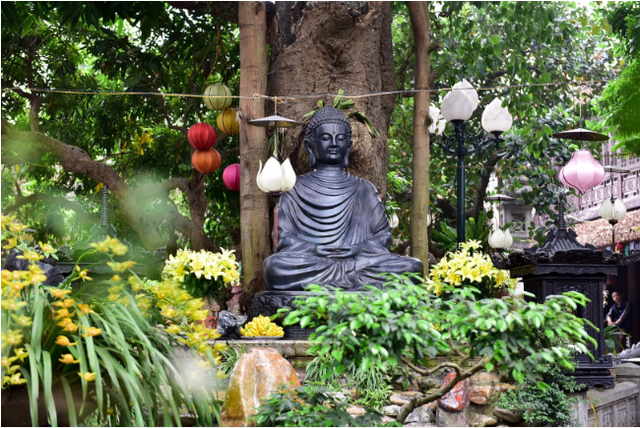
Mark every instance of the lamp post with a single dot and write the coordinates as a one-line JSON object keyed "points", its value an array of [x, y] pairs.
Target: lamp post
{"points": [[457, 107]]}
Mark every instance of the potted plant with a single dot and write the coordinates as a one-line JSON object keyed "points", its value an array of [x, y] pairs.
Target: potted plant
{"points": [[71, 350]]}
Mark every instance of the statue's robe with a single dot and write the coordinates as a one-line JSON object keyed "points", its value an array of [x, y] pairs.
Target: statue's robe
{"points": [[337, 211]]}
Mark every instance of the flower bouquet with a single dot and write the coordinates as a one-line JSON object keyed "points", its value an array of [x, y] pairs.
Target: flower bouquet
{"points": [[202, 273], [469, 267]]}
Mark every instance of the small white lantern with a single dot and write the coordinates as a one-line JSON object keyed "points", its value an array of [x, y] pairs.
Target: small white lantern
{"points": [[437, 122], [496, 118], [428, 218], [275, 177], [500, 239], [469, 91], [613, 210], [456, 106]]}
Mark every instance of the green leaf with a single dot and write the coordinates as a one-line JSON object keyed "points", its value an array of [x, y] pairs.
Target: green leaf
{"points": [[495, 39]]}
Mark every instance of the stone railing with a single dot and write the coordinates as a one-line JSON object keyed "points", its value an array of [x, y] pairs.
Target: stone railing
{"points": [[617, 407]]}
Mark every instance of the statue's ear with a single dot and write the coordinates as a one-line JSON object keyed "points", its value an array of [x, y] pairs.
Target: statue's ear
{"points": [[312, 156], [346, 156]]}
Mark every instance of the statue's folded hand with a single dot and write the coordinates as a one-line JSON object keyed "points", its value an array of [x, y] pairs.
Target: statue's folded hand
{"points": [[336, 252]]}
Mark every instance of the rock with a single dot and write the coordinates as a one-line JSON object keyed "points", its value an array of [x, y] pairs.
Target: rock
{"points": [[418, 424], [412, 394], [445, 418], [457, 399], [391, 410], [484, 378], [229, 324], [422, 415], [257, 373], [428, 383], [387, 419], [480, 394], [432, 405], [507, 415], [398, 399], [338, 396], [354, 410], [479, 420]]}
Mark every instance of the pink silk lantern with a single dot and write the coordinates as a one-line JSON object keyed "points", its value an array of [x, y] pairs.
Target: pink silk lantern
{"points": [[231, 177], [582, 172]]}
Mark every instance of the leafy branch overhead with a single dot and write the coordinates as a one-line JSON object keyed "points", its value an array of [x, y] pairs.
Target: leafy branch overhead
{"points": [[341, 104]]}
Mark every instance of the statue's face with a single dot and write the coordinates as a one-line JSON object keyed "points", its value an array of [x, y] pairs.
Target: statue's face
{"points": [[331, 144]]}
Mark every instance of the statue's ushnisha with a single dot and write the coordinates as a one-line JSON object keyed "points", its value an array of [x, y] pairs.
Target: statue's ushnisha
{"points": [[332, 227]]}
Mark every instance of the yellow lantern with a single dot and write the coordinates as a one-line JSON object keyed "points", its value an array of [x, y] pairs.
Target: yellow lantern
{"points": [[217, 97], [228, 121]]}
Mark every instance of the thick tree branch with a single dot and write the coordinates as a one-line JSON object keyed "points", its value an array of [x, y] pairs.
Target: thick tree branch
{"points": [[460, 376]]}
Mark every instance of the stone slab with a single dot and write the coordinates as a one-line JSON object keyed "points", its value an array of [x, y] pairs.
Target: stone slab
{"points": [[287, 348]]}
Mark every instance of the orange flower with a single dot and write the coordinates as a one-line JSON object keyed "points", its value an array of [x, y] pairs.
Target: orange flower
{"points": [[64, 341], [66, 303], [68, 359], [84, 307], [57, 293], [91, 331], [63, 313], [88, 376], [68, 325]]}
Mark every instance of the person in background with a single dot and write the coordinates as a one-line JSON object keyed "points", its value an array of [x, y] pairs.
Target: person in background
{"points": [[619, 314]]}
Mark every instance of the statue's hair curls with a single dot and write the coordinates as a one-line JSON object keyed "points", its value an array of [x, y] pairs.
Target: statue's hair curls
{"points": [[322, 117]]}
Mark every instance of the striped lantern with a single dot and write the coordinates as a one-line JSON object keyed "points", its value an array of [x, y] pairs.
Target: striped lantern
{"points": [[202, 136], [228, 121], [217, 97], [206, 161], [231, 177]]}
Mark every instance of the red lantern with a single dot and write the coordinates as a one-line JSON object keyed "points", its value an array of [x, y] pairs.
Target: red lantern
{"points": [[206, 161], [202, 136], [231, 177]]}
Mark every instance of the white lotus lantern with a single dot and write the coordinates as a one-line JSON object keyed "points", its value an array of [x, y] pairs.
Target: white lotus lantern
{"points": [[496, 118], [276, 178], [500, 239], [394, 221], [456, 105], [469, 91], [437, 122], [613, 210]]}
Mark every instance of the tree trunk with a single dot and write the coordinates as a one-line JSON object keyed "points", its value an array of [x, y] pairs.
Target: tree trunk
{"points": [[254, 207], [419, 12], [321, 47]]}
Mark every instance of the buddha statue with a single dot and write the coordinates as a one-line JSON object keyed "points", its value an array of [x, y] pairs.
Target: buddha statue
{"points": [[332, 227]]}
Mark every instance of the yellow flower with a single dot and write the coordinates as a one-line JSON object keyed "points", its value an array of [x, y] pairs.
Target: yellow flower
{"points": [[102, 246], [12, 305], [83, 274], [88, 376], [68, 359], [121, 267], [85, 309], [64, 341], [6, 362], [68, 325], [57, 293], [31, 256], [46, 248], [21, 353], [173, 329], [91, 331], [12, 338], [11, 243], [66, 303], [16, 379], [115, 278], [63, 313], [24, 321]]}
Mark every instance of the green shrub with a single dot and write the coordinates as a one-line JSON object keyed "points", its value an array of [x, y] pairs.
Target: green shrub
{"points": [[543, 405], [310, 406]]}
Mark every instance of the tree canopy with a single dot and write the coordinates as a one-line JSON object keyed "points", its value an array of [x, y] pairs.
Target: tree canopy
{"points": [[114, 122]]}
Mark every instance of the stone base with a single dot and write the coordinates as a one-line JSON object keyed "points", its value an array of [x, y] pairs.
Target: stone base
{"points": [[289, 349]]}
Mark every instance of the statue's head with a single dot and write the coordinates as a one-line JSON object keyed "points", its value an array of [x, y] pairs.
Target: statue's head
{"points": [[328, 138]]}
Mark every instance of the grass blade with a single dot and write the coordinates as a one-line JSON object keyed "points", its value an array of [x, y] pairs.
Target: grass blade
{"points": [[71, 407], [47, 388]]}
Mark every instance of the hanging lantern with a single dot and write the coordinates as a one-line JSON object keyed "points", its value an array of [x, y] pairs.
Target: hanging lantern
{"points": [[206, 161], [613, 210], [217, 97], [231, 177], [202, 136], [275, 177], [228, 121], [500, 239], [582, 172]]}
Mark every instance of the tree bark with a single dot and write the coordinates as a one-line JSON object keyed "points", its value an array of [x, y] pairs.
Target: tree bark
{"points": [[419, 12], [321, 47], [254, 206]]}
